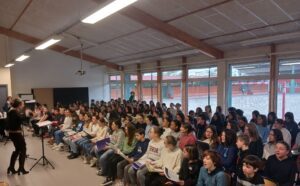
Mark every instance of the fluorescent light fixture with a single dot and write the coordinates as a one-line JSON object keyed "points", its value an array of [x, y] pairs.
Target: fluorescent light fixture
{"points": [[49, 42], [270, 39], [9, 65], [22, 58], [107, 10], [295, 63]]}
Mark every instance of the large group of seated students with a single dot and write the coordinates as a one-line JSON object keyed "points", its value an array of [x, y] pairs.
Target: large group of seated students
{"points": [[139, 143]]}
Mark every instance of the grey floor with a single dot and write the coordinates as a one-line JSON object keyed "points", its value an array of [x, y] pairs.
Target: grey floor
{"points": [[66, 172]]}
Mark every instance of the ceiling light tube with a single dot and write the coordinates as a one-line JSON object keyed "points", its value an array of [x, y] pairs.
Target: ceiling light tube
{"points": [[22, 58], [48, 43], [9, 65], [107, 10]]}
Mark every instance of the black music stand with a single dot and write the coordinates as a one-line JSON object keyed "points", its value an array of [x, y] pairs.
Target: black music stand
{"points": [[43, 157]]}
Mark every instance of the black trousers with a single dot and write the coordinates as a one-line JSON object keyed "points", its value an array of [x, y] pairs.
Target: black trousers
{"points": [[112, 168], [20, 150], [154, 179]]}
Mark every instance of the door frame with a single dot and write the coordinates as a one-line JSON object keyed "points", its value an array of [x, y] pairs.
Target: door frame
{"points": [[6, 86]]}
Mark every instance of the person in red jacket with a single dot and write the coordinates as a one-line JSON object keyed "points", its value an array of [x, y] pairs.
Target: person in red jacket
{"points": [[187, 136]]}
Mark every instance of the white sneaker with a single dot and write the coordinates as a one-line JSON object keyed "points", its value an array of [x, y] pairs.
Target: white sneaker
{"points": [[54, 146], [84, 160], [93, 162], [59, 148]]}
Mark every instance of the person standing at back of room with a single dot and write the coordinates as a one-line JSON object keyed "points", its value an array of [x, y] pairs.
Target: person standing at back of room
{"points": [[132, 96]]}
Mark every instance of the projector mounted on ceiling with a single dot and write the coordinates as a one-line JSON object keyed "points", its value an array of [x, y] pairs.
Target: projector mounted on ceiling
{"points": [[81, 72]]}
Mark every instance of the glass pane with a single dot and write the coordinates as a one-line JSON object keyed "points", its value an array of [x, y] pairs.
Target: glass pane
{"points": [[171, 92], [149, 76], [133, 77], [258, 69], [249, 96], [115, 78], [149, 91], [129, 86], [289, 66], [202, 93], [203, 72], [115, 90], [288, 95], [169, 75]]}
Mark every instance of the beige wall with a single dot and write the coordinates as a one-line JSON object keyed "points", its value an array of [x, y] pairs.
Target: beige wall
{"points": [[5, 79]]}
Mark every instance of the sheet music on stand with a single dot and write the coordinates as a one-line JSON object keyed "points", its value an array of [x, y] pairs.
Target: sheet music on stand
{"points": [[44, 123]]}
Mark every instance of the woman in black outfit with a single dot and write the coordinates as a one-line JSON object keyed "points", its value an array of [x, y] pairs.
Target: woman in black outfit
{"points": [[14, 122]]}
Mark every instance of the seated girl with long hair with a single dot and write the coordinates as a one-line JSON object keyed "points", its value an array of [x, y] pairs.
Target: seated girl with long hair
{"points": [[116, 141], [227, 150], [128, 146], [171, 157], [153, 153], [210, 137], [190, 167], [87, 147]]}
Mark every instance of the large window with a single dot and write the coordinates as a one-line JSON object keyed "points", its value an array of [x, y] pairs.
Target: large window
{"points": [[171, 87], [149, 86], [130, 85], [249, 87], [115, 86], [202, 87], [288, 89]]}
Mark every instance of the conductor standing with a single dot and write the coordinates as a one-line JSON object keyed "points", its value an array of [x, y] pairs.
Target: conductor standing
{"points": [[14, 122]]}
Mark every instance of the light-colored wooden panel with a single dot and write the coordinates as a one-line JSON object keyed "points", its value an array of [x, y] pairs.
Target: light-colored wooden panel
{"points": [[44, 96]]}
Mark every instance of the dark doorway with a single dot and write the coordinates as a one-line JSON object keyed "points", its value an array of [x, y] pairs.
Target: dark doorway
{"points": [[3, 96]]}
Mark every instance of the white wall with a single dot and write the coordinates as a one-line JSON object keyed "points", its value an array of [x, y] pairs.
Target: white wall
{"points": [[48, 69]]}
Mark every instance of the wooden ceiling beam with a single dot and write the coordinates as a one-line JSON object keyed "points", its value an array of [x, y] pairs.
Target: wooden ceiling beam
{"points": [[170, 30], [57, 48]]}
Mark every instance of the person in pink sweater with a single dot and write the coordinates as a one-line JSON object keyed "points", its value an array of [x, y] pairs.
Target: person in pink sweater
{"points": [[187, 136]]}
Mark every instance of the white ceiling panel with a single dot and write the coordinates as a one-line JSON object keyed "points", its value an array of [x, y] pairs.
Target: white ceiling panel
{"points": [[267, 11], [71, 42], [263, 32], [291, 7], [254, 25], [290, 27], [156, 53], [139, 42], [168, 9], [228, 39], [237, 13], [109, 28], [47, 17], [222, 22], [10, 10], [196, 26]]}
